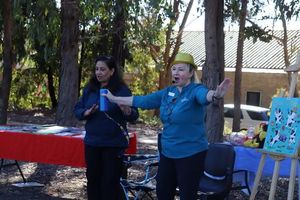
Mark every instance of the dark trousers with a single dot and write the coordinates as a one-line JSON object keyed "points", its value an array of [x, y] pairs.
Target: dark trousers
{"points": [[184, 173], [104, 168]]}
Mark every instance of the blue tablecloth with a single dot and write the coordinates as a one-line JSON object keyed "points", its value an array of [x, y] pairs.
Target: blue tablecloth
{"points": [[248, 159]]}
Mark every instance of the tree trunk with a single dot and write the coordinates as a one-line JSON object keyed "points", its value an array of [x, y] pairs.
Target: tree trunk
{"points": [[7, 61], [68, 85], [82, 56], [285, 46], [51, 88], [213, 70], [119, 33], [238, 68]]}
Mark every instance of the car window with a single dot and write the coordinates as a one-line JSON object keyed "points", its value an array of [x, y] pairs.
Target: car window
{"points": [[261, 116], [228, 112]]}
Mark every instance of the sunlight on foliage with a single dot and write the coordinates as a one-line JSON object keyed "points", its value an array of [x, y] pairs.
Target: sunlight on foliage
{"points": [[145, 78], [29, 90], [148, 117]]}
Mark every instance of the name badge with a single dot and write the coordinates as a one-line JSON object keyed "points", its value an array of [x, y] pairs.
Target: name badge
{"points": [[171, 94]]}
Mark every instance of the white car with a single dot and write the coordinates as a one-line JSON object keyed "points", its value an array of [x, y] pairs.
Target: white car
{"points": [[251, 116]]}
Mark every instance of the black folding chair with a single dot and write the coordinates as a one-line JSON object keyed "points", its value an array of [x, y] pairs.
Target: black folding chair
{"points": [[246, 184], [216, 181]]}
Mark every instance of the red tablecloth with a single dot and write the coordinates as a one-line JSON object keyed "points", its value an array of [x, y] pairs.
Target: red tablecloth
{"points": [[49, 149]]}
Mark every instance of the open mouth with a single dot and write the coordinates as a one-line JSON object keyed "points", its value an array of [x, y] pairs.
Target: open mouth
{"points": [[175, 80]]}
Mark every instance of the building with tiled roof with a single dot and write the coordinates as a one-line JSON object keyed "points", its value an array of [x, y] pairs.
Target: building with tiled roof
{"points": [[263, 63]]}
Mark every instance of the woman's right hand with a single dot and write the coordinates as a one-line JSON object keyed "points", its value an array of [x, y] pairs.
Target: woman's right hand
{"points": [[91, 110]]}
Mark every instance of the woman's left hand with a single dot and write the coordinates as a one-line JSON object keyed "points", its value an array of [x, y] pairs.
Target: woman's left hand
{"points": [[222, 88], [125, 109]]}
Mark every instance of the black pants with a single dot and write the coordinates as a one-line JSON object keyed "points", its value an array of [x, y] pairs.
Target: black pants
{"points": [[184, 173], [104, 168]]}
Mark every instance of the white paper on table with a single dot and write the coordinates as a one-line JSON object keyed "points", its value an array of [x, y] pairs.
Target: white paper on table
{"points": [[28, 184], [79, 136], [52, 129], [65, 134]]}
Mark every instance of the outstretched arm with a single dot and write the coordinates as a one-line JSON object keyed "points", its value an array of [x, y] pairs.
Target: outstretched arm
{"points": [[127, 101], [220, 90]]}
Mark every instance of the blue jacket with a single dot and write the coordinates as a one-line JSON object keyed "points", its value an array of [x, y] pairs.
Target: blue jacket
{"points": [[182, 115], [100, 130]]}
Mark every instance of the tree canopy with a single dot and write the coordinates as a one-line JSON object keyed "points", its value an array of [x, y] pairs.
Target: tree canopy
{"points": [[49, 48]]}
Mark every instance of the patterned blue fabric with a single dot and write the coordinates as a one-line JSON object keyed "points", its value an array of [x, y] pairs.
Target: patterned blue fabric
{"points": [[182, 115]]}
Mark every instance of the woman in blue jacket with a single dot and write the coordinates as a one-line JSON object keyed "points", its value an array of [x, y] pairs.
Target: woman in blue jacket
{"points": [[183, 140], [106, 134]]}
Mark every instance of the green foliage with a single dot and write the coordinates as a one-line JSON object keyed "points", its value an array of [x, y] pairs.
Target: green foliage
{"points": [[29, 90], [147, 19], [37, 30], [149, 118], [145, 79], [287, 9], [44, 35], [233, 9], [256, 33]]}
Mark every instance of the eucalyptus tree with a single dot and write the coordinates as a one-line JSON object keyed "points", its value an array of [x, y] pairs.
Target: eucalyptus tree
{"points": [[115, 27], [7, 60], [238, 66], [237, 12], [285, 11], [103, 31], [213, 69], [43, 37], [68, 83], [93, 41], [173, 43], [35, 55], [119, 32], [18, 35], [154, 23]]}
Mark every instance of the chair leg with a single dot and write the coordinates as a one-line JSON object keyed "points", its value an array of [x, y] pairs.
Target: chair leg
{"points": [[125, 193], [246, 182]]}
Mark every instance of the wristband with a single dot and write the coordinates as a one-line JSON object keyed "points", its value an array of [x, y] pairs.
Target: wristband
{"points": [[216, 98]]}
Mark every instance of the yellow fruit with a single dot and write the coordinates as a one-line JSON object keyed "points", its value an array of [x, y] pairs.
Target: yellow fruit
{"points": [[262, 135], [251, 143]]}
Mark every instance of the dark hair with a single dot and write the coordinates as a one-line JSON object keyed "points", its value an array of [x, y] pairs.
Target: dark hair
{"points": [[115, 81]]}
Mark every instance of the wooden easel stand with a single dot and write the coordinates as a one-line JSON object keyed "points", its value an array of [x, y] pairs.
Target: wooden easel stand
{"points": [[278, 157]]}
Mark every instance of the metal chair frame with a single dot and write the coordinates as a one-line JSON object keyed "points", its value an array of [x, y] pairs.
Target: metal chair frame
{"points": [[140, 189]]}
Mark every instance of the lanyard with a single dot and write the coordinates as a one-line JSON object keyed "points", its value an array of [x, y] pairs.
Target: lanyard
{"points": [[124, 132]]}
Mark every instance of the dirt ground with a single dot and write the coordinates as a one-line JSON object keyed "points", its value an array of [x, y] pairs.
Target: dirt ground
{"points": [[61, 182]]}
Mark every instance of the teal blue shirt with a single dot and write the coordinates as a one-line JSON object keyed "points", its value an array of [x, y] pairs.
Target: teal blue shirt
{"points": [[182, 115]]}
